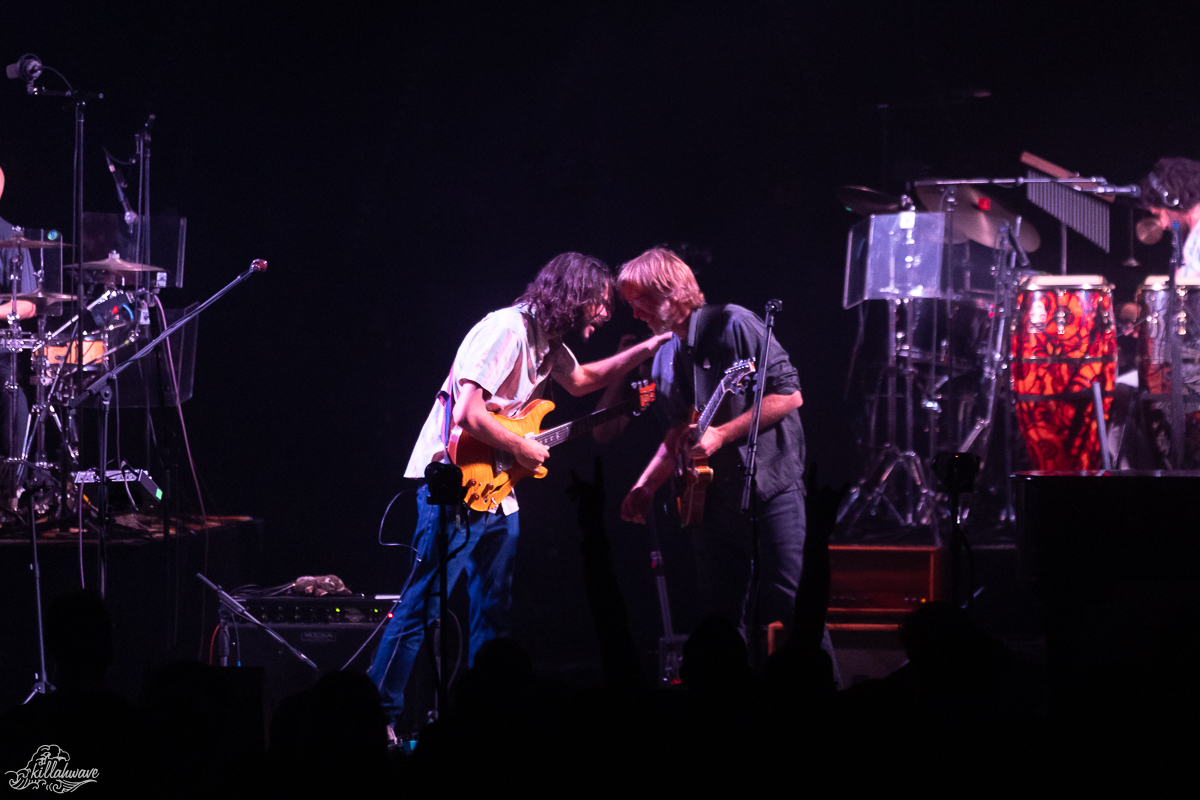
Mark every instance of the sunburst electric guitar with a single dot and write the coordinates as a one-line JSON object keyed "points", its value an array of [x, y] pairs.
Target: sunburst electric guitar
{"points": [[695, 471], [490, 474]]}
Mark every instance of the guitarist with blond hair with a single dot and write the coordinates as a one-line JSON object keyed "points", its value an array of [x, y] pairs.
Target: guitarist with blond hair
{"points": [[690, 371], [502, 364]]}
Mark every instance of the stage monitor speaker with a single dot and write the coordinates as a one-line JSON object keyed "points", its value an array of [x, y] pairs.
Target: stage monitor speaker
{"points": [[329, 630]]}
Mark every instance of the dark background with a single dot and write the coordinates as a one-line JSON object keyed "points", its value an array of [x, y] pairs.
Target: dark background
{"points": [[406, 168]]}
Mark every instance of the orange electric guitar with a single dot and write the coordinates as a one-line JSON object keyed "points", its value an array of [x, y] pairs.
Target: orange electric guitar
{"points": [[695, 471], [490, 474]]}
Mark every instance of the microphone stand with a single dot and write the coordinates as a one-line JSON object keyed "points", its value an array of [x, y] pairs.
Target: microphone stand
{"points": [[102, 388], [447, 492], [236, 609], [80, 101], [1090, 185], [749, 484], [42, 684], [1176, 323]]}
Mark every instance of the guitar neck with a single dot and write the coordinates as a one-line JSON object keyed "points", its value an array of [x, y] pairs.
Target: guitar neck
{"points": [[570, 430], [710, 411]]}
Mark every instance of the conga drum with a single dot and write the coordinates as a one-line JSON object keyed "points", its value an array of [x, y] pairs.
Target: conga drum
{"points": [[1154, 351], [1154, 361], [1063, 341]]}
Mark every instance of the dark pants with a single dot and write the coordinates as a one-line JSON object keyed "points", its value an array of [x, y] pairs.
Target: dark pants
{"points": [[487, 559], [724, 556]]}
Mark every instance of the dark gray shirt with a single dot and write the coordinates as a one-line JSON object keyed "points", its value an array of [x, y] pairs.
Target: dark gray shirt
{"points": [[718, 336]]}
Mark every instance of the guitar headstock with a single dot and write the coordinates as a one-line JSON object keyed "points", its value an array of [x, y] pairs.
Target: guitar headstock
{"points": [[645, 394], [736, 378]]}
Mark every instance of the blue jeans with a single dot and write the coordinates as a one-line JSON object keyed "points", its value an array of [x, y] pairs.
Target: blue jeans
{"points": [[724, 557], [488, 561]]}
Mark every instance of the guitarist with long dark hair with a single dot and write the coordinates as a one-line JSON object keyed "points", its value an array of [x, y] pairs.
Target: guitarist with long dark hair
{"points": [[502, 364], [692, 371]]}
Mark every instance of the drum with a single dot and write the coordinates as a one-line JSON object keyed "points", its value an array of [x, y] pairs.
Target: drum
{"points": [[1063, 341], [94, 350], [1154, 352]]}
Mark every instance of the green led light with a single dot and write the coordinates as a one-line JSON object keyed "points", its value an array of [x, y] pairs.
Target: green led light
{"points": [[158, 494]]}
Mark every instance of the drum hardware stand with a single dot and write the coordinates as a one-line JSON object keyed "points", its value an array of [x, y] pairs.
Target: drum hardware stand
{"points": [[1101, 431], [871, 491], [997, 368], [1062, 266]]}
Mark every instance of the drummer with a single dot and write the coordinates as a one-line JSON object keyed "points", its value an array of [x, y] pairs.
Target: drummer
{"points": [[25, 309], [1171, 192], [27, 282]]}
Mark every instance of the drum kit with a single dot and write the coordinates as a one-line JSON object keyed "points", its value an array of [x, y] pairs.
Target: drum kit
{"points": [[63, 354], [976, 341]]}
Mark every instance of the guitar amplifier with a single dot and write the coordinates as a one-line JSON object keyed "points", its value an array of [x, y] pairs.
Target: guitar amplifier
{"points": [[330, 630], [874, 587]]}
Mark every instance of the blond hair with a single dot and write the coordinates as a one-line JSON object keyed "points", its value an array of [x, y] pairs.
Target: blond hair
{"points": [[663, 274]]}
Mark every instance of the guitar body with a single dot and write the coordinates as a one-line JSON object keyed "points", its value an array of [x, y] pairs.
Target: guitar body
{"points": [[490, 474], [697, 475]]}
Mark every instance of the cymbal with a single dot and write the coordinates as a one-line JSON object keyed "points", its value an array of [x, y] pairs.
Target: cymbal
{"points": [[862, 200], [117, 264], [29, 244], [978, 216], [1149, 230], [41, 299]]}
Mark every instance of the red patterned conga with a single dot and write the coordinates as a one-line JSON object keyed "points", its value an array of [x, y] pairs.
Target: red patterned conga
{"points": [[1063, 341]]}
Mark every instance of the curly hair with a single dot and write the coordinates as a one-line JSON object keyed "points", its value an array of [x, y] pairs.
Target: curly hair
{"points": [[1173, 183], [558, 298]]}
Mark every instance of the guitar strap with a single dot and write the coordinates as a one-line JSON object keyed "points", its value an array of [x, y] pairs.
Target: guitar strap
{"points": [[702, 378], [447, 401]]}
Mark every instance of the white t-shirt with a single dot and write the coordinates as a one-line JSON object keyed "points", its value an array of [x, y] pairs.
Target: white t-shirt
{"points": [[1191, 254], [509, 356]]}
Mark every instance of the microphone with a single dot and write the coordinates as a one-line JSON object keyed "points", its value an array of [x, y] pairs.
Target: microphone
{"points": [[28, 68], [130, 215], [1169, 199], [1132, 190]]}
